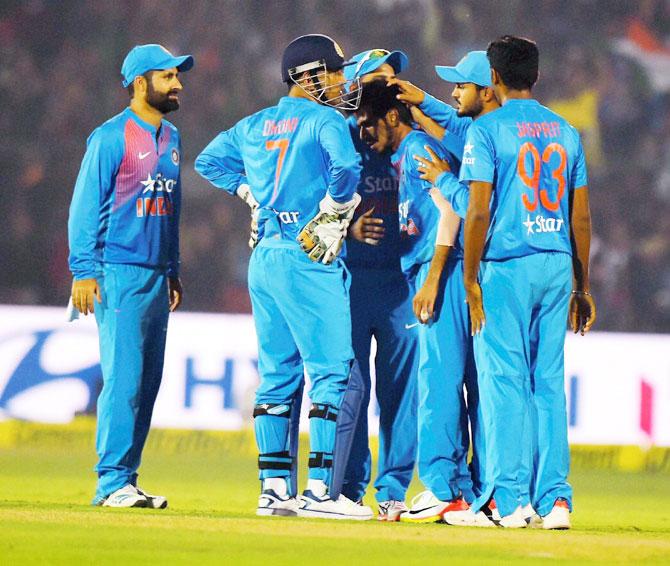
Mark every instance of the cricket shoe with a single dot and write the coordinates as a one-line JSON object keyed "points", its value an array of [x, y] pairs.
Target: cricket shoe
{"points": [[391, 510], [426, 508], [127, 496], [514, 520], [153, 501], [559, 517], [318, 505], [272, 504]]}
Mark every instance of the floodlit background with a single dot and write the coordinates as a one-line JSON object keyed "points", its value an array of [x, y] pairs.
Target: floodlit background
{"points": [[605, 66]]}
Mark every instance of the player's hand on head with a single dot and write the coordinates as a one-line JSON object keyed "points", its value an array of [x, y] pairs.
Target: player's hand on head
{"points": [[368, 229], [409, 93], [582, 312], [423, 303], [83, 293], [432, 168], [175, 292], [473, 294]]}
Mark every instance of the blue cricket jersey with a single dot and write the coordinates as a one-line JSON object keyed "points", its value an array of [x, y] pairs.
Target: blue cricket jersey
{"points": [[126, 202], [290, 154], [378, 187], [418, 214], [533, 158]]}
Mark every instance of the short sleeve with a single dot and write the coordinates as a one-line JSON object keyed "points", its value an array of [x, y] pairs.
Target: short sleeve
{"points": [[478, 156], [579, 175]]}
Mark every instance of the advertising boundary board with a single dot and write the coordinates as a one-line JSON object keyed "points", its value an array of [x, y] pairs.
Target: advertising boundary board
{"points": [[617, 385]]}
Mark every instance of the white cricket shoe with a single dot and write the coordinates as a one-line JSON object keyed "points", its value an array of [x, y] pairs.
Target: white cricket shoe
{"points": [[127, 496], [478, 519], [426, 508], [391, 510], [153, 501], [316, 503], [272, 504], [559, 517], [514, 520]]}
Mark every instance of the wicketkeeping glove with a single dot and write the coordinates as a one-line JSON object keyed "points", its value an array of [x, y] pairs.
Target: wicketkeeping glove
{"points": [[322, 237], [244, 192]]}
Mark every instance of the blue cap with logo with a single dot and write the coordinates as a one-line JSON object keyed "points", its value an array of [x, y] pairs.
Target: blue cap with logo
{"points": [[305, 51], [473, 68], [151, 57], [370, 60]]}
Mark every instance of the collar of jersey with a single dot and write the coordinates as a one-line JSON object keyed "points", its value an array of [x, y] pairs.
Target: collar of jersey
{"points": [[141, 122], [521, 101], [298, 99], [398, 153]]}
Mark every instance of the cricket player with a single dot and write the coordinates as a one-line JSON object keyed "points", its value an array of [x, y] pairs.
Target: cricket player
{"points": [[381, 307], [527, 236], [386, 125], [124, 256], [296, 164]]}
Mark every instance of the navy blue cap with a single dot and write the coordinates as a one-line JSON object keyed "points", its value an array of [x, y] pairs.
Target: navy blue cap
{"points": [[370, 60], [151, 57], [473, 68], [308, 49]]}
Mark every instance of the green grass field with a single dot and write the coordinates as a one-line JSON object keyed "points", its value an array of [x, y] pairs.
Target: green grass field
{"points": [[46, 483]]}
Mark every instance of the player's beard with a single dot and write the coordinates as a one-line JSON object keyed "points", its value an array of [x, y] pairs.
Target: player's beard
{"points": [[474, 110], [161, 101]]}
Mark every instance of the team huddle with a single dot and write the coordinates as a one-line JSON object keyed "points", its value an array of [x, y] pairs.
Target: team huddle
{"points": [[457, 237]]}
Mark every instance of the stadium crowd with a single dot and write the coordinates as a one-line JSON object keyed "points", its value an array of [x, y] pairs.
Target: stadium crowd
{"points": [[601, 67]]}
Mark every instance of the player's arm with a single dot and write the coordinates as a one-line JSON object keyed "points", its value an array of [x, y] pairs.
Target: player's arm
{"points": [[222, 165], [447, 232], [344, 163], [103, 156], [444, 114], [582, 306], [175, 290], [323, 236], [477, 222], [221, 162], [478, 173], [427, 124]]}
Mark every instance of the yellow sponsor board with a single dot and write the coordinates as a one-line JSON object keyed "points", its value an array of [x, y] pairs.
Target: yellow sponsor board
{"points": [[80, 434]]}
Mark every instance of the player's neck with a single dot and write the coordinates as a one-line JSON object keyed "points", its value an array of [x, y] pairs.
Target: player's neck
{"points": [[486, 109], [146, 112], [513, 94], [400, 134]]}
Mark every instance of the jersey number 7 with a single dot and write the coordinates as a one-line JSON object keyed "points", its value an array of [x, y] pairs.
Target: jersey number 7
{"points": [[532, 180], [282, 146]]}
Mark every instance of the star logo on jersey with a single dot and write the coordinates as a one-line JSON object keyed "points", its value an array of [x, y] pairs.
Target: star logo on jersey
{"points": [[149, 184], [529, 224], [467, 148]]}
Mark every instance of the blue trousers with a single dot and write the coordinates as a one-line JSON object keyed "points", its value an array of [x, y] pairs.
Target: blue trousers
{"points": [[303, 324], [519, 357], [446, 363], [132, 326], [381, 306]]}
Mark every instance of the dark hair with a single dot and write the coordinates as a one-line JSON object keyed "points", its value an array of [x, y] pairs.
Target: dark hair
{"points": [[516, 60], [131, 86], [378, 99]]}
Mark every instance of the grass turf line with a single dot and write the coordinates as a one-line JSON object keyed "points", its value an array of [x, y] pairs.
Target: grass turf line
{"points": [[45, 518]]}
